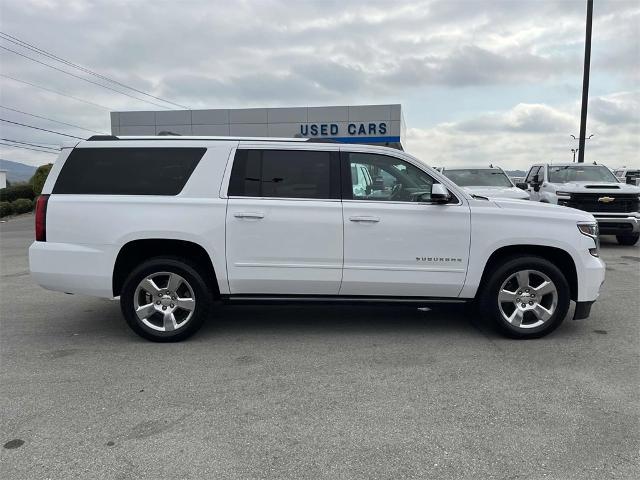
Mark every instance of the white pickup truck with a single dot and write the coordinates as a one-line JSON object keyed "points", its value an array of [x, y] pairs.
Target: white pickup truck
{"points": [[175, 225], [592, 188]]}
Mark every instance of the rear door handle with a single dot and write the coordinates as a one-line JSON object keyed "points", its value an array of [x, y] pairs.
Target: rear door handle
{"points": [[365, 219], [256, 215]]}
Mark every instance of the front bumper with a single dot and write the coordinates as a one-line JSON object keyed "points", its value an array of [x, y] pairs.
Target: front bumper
{"points": [[618, 223]]}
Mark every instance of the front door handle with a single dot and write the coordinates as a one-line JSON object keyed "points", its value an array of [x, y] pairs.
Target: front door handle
{"points": [[365, 219], [256, 215]]}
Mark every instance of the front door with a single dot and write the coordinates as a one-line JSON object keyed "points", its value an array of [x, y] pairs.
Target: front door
{"points": [[284, 223], [397, 243], [534, 194]]}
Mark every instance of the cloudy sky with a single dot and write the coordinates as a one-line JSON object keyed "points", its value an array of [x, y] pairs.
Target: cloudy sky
{"points": [[479, 81]]}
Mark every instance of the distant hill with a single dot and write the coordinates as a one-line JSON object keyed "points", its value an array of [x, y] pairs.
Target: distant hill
{"points": [[516, 173], [17, 172]]}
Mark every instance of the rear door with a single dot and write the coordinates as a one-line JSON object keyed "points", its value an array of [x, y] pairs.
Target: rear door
{"points": [[397, 243], [284, 222]]}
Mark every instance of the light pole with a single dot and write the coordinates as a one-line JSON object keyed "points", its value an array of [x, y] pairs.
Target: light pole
{"points": [[577, 150], [585, 81]]}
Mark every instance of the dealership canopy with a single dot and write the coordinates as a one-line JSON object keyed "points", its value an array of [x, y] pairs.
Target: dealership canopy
{"points": [[370, 124]]}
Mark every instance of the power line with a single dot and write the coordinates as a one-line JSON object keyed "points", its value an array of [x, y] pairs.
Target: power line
{"points": [[38, 128], [28, 148], [54, 91], [52, 120], [82, 78], [27, 143], [29, 46]]}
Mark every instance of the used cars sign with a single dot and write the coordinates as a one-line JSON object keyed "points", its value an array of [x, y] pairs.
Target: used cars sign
{"points": [[333, 129]]}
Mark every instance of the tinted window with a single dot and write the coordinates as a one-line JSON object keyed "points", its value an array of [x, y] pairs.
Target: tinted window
{"points": [[384, 178], [128, 171], [283, 174]]}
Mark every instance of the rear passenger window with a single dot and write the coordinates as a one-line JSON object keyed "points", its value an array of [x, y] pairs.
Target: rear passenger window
{"points": [[284, 174], [128, 171]]}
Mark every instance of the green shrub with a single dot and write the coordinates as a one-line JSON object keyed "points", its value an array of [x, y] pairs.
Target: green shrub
{"points": [[14, 192], [22, 205], [39, 177], [5, 209]]}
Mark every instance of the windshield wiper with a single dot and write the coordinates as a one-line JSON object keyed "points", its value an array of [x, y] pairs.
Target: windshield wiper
{"points": [[478, 197]]}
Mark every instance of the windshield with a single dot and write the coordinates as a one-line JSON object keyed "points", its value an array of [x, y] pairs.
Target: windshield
{"points": [[478, 177], [581, 173]]}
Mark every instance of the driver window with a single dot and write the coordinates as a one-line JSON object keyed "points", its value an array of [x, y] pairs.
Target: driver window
{"points": [[532, 174], [384, 178]]}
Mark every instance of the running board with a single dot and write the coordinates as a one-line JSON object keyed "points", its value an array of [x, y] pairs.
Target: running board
{"points": [[342, 299]]}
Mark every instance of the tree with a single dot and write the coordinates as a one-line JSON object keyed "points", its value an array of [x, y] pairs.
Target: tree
{"points": [[39, 177]]}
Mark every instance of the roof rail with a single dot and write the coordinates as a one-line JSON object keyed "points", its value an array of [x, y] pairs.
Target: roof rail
{"points": [[102, 138], [165, 135], [209, 138], [322, 140]]}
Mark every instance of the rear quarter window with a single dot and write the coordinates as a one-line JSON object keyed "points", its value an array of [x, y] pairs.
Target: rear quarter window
{"points": [[128, 171]]}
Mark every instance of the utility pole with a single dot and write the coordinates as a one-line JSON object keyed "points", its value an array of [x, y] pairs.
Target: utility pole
{"points": [[585, 81]]}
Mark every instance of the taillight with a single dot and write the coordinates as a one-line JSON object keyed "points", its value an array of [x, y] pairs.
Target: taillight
{"points": [[41, 218]]}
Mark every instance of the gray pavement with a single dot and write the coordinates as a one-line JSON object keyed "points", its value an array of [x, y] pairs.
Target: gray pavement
{"points": [[314, 392]]}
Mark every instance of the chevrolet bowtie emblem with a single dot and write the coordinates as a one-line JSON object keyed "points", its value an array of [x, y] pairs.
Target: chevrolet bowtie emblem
{"points": [[606, 199]]}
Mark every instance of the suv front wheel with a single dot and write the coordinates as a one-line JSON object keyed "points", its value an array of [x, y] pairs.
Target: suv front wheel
{"points": [[526, 297], [165, 299]]}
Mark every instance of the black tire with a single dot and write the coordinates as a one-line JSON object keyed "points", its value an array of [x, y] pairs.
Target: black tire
{"points": [[629, 239], [489, 296], [203, 298]]}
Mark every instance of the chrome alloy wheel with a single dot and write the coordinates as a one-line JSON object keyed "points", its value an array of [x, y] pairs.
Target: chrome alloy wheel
{"points": [[527, 299], [164, 301]]}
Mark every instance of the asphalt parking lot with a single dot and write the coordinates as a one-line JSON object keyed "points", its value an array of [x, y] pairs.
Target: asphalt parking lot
{"points": [[314, 392]]}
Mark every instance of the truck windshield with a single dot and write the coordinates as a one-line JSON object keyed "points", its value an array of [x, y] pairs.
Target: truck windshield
{"points": [[478, 177], [580, 173]]}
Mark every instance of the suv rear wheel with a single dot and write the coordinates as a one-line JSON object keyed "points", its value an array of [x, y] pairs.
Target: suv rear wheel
{"points": [[165, 299], [628, 239], [526, 297]]}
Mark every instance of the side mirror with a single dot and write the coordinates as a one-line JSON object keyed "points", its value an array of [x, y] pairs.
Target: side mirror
{"points": [[522, 185], [535, 183], [439, 193]]}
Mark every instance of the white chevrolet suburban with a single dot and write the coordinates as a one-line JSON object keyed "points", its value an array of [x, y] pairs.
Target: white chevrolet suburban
{"points": [[175, 225], [592, 188]]}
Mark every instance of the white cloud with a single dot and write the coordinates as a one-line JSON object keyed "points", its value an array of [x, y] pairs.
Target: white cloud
{"points": [[525, 134], [277, 53]]}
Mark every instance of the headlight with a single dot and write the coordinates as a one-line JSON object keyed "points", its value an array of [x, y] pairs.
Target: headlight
{"points": [[563, 194], [591, 230]]}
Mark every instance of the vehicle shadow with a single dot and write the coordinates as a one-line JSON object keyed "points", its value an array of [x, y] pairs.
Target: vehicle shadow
{"points": [[349, 319], [440, 321]]}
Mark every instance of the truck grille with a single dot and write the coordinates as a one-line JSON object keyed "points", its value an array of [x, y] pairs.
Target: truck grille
{"points": [[622, 203]]}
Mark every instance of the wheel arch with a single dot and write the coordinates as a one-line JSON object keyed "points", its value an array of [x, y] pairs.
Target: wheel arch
{"points": [[561, 258], [135, 252]]}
